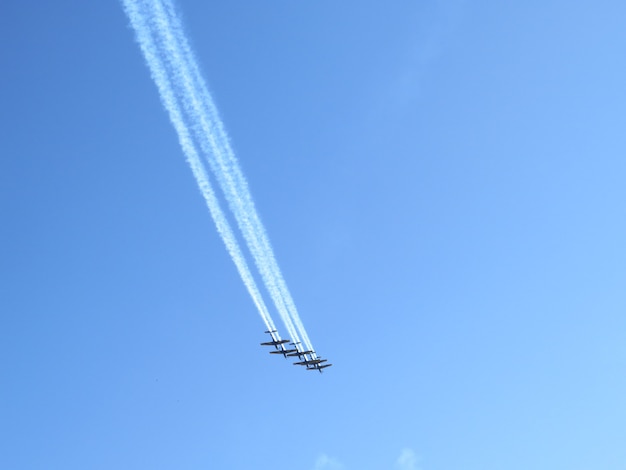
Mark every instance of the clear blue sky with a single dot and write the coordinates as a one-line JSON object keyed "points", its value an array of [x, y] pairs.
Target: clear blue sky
{"points": [[444, 187]]}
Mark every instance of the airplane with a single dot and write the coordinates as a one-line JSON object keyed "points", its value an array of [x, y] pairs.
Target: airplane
{"points": [[310, 362], [276, 342], [300, 354], [288, 352], [284, 351], [297, 352], [318, 367]]}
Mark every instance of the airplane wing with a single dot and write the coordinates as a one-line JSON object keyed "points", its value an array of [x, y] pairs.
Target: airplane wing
{"points": [[275, 343], [311, 362], [300, 353], [283, 351]]}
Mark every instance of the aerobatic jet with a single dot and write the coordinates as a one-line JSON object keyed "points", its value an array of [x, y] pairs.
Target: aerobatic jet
{"points": [[310, 362], [284, 351], [300, 354], [276, 341], [318, 367]]}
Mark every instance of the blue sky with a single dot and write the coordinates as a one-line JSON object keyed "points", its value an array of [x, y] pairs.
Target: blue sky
{"points": [[443, 185]]}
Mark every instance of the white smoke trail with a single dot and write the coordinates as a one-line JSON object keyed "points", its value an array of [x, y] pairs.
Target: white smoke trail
{"points": [[158, 70], [210, 133], [205, 132]]}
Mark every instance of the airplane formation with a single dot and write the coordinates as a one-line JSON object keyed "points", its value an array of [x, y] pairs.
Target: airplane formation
{"points": [[308, 359]]}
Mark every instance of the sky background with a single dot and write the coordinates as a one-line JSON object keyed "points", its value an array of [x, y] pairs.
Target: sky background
{"points": [[443, 185]]}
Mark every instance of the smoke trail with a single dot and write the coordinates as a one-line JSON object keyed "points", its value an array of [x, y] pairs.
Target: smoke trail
{"points": [[206, 133], [158, 70], [209, 131]]}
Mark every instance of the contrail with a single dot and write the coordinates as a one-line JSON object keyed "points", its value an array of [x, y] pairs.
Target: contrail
{"points": [[205, 127], [195, 118], [164, 83], [209, 132]]}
